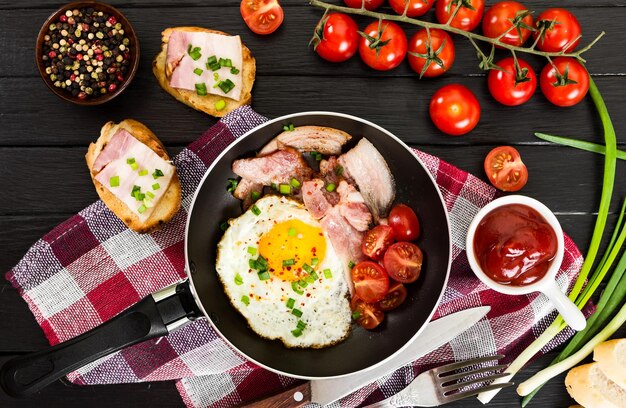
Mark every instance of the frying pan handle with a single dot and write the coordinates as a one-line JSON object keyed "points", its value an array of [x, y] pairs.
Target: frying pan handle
{"points": [[154, 316]]}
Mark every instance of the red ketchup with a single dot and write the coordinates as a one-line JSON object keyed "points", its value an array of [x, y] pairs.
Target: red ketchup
{"points": [[514, 245]]}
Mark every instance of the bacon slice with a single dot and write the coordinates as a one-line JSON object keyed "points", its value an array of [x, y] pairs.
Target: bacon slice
{"points": [[244, 191], [320, 139], [366, 166], [352, 207], [278, 167], [345, 238]]}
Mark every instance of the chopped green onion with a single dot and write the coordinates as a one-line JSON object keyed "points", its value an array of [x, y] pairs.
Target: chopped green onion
{"points": [[226, 86], [296, 312], [198, 71], [339, 170], [314, 276], [150, 194], [156, 186], [252, 264], [157, 173], [265, 275], [295, 183], [252, 251], [256, 210], [262, 262], [301, 325], [255, 195], [226, 62], [330, 187], [201, 89], [302, 283], [134, 166], [194, 53], [314, 261], [328, 274], [130, 160], [238, 280], [245, 300], [232, 185], [289, 262], [310, 279], [216, 76], [224, 226], [291, 303], [142, 209], [307, 268], [274, 186], [288, 128], [316, 155], [350, 264], [143, 172], [147, 201], [114, 181], [296, 333], [284, 189], [234, 71], [214, 67], [136, 189], [292, 232], [294, 286], [211, 60], [219, 105], [355, 315], [139, 196]]}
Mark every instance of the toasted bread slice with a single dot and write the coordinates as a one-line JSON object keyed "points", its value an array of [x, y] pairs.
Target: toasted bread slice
{"points": [[592, 389], [611, 358], [167, 206], [205, 103]]}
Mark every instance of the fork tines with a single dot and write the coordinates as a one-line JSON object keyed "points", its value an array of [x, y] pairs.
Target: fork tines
{"points": [[450, 383]]}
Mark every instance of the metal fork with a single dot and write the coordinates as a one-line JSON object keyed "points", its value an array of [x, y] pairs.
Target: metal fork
{"points": [[441, 385]]}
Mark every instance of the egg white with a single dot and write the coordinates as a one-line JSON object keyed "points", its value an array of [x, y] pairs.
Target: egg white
{"points": [[324, 304]]}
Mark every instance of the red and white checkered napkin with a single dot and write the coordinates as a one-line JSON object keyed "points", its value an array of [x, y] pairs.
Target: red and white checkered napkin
{"points": [[91, 267]]}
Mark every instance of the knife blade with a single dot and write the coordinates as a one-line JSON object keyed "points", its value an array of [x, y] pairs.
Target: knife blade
{"points": [[326, 391]]}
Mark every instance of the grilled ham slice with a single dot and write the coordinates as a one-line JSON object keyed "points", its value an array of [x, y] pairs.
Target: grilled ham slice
{"points": [[309, 139]]}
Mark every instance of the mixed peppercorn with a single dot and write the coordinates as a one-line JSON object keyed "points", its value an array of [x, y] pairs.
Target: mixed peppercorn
{"points": [[86, 52]]}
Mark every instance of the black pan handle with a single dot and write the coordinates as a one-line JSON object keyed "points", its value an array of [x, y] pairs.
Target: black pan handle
{"points": [[154, 316]]}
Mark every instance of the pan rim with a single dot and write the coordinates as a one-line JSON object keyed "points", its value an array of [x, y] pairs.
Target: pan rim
{"points": [[246, 135]]}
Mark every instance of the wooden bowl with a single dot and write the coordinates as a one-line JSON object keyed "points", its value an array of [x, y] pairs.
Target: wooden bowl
{"points": [[129, 32]]}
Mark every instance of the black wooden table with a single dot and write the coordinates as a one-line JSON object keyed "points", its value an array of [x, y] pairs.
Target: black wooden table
{"points": [[44, 179]]}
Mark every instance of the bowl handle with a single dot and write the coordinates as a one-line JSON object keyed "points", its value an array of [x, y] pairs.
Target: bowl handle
{"points": [[570, 312]]}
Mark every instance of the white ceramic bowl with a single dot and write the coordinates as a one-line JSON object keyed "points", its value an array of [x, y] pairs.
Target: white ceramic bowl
{"points": [[547, 284]]}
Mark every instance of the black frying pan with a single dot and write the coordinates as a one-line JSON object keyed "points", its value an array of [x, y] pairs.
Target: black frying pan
{"points": [[202, 295]]}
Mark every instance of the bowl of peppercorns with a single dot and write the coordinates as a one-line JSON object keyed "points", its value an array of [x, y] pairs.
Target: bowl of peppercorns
{"points": [[87, 52]]}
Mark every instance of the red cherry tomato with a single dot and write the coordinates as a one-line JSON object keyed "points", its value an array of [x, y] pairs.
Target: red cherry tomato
{"points": [[394, 298], [505, 169], [499, 19], [404, 222], [569, 86], [467, 18], [504, 86], [416, 7], [440, 49], [339, 38], [560, 29], [376, 241], [369, 4], [454, 110], [367, 315], [388, 48], [403, 262], [371, 282], [262, 16]]}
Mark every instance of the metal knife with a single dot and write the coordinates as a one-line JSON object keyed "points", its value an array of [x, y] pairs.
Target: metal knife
{"points": [[324, 392]]}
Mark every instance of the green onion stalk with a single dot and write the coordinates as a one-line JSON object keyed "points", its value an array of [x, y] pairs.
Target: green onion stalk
{"points": [[607, 191]]}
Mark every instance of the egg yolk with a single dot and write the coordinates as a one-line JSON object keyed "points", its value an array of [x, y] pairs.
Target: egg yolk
{"points": [[291, 244]]}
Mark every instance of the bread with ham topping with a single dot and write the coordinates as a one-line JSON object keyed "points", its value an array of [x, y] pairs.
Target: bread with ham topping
{"points": [[204, 103], [169, 201]]}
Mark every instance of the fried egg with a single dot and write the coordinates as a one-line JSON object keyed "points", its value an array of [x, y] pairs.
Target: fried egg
{"points": [[282, 274]]}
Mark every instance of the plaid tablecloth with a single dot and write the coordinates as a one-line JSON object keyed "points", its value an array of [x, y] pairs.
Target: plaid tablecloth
{"points": [[91, 267]]}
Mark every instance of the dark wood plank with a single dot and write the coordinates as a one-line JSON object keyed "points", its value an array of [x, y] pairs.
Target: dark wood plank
{"points": [[398, 104], [286, 52]]}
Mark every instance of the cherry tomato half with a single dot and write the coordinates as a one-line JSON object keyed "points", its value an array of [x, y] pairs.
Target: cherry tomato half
{"points": [[454, 110], [404, 222], [499, 19], [376, 241], [369, 4], [394, 298], [367, 315], [388, 48], [504, 85], [560, 29], [467, 18], [415, 8], [339, 38], [262, 16], [435, 57], [371, 282], [505, 169], [569, 86], [403, 262]]}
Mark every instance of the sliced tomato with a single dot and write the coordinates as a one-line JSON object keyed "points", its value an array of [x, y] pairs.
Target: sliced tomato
{"points": [[403, 262], [404, 222], [371, 282], [262, 16], [367, 315], [376, 241], [505, 169], [394, 298]]}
